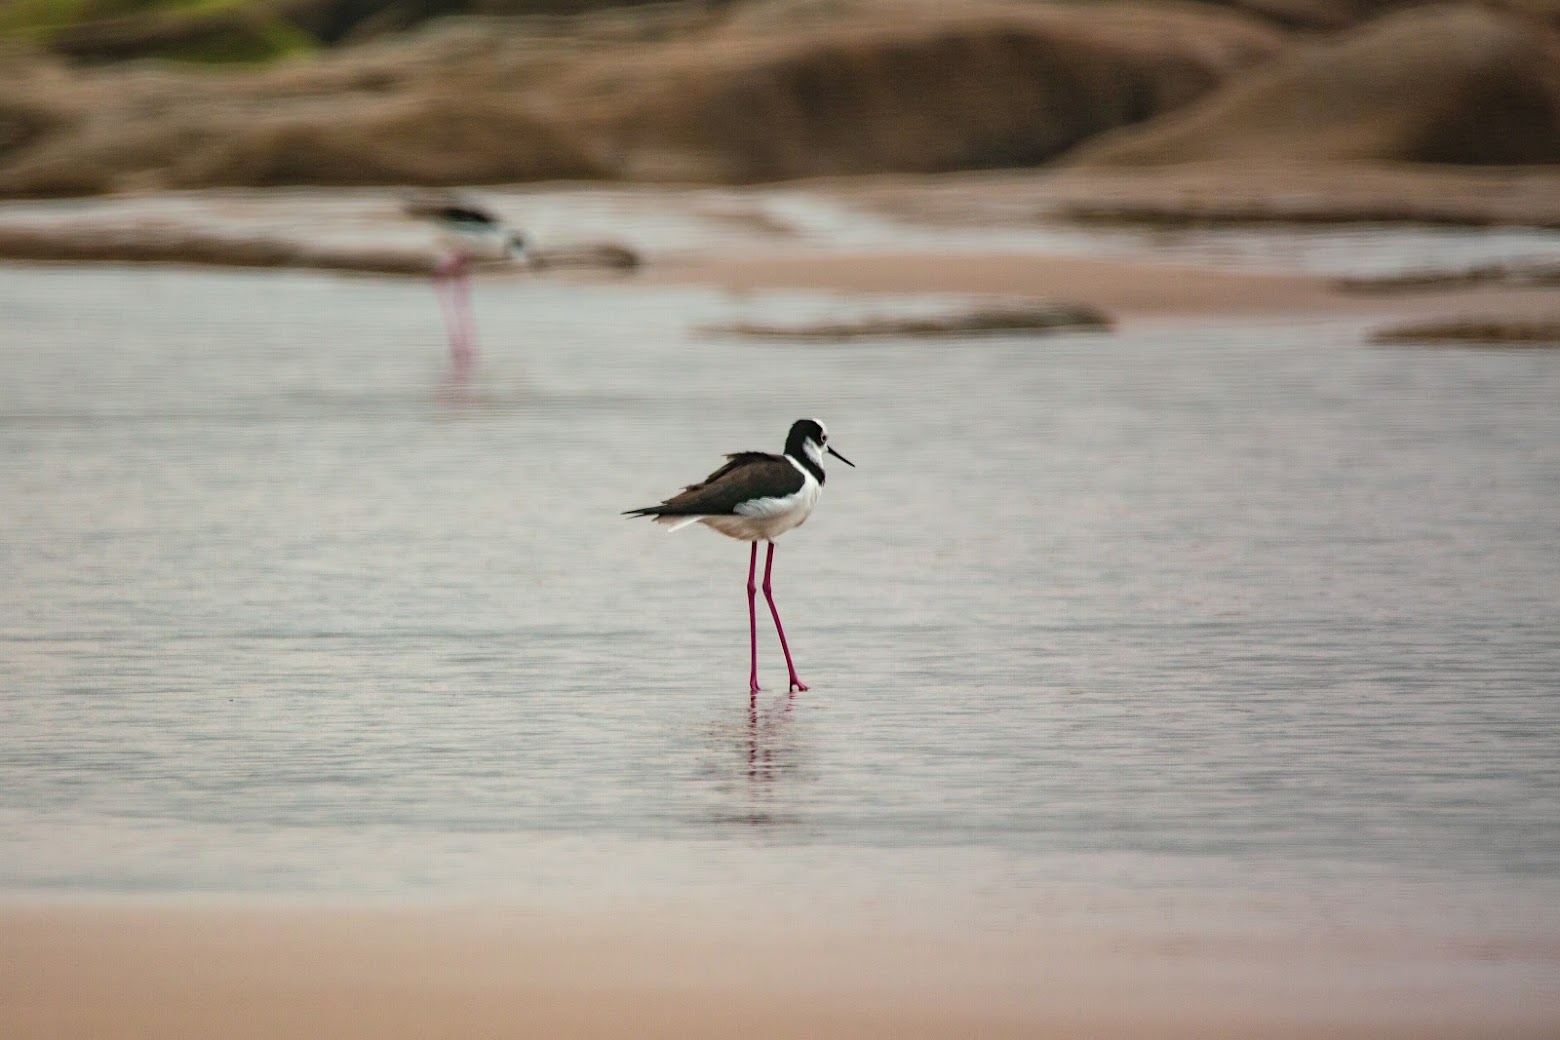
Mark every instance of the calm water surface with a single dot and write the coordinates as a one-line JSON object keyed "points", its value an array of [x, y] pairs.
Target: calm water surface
{"points": [[1204, 611]]}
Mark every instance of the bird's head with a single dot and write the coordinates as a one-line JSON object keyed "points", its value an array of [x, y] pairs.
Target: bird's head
{"points": [[810, 438], [517, 248]]}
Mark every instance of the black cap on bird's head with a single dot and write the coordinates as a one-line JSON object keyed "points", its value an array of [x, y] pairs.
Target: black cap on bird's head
{"points": [[809, 439]]}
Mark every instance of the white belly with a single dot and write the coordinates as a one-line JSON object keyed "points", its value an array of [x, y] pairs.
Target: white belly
{"points": [[476, 243], [766, 519]]}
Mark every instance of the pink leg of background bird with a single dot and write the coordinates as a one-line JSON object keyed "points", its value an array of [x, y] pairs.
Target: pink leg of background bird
{"points": [[769, 563], [449, 282], [752, 590]]}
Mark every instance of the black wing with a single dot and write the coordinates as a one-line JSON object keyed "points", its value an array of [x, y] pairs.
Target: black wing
{"points": [[467, 215], [450, 211], [745, 476]]}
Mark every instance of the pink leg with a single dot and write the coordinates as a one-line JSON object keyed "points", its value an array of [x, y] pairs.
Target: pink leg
{"points": [[449, 281], [769, 563], [752, 590]]}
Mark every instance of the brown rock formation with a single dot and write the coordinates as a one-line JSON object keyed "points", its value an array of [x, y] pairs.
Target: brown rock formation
{"points": [[773, 91], [1460, 84]]}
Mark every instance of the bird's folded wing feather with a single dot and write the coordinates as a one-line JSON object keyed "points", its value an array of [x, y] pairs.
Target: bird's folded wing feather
{"points": [[746, 476], [448, 208]]}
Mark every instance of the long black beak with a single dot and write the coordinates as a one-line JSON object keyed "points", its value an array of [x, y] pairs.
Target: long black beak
{"points": [[842, 458]]}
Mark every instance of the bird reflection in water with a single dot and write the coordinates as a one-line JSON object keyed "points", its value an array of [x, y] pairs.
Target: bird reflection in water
{"points": [[771, 765], [766, 733]]}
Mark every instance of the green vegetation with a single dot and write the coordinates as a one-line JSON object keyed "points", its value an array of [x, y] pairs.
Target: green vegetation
{"points": [[40, 19], [179, 30]]}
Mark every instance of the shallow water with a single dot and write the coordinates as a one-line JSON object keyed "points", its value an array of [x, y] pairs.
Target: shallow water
{"points": [[658, 221], [1221, 614]]}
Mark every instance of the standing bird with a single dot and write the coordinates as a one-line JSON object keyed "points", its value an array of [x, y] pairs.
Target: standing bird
{"points": [[468, 234], [757, 497]]}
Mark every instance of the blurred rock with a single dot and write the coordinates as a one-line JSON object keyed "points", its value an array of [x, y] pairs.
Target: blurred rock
{"points": [[1494, 332], [609, 256], [975, 319], [773, 90], [1338, 15], [1518, 273], [174, 244], [247, 30], [886, 90], [776, 89], [1461, 84]]}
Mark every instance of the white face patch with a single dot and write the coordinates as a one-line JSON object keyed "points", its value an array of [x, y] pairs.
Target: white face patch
{"points": [[814, 452]]}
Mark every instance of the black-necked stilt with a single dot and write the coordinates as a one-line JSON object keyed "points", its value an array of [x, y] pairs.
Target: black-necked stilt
{"points": [[468, 234], [757, 497]]}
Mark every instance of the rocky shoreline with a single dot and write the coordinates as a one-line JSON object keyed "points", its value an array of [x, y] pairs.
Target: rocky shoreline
{"points": [[773, 90]]}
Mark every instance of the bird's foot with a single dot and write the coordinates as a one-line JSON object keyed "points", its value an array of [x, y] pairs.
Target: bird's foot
{"points": [[797, 685]]}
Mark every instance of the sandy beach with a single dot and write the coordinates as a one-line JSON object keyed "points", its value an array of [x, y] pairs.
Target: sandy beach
{"points": [[172, 970]]}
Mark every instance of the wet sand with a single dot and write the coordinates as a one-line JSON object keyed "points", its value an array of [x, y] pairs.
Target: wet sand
{"points": [[170, 970], [1125, 289]]}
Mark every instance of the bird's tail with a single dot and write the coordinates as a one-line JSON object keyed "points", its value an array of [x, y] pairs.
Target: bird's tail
{"points": [[672, 522]]}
